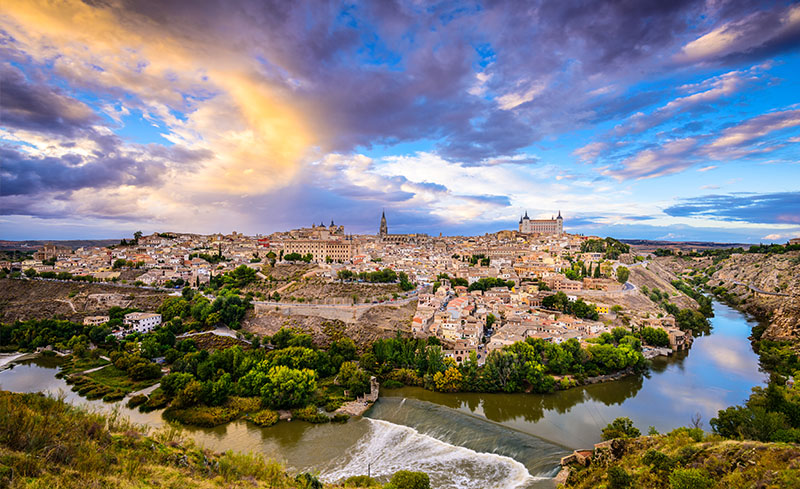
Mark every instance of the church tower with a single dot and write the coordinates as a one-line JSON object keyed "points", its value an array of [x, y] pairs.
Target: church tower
{"points": [[384, 230]]}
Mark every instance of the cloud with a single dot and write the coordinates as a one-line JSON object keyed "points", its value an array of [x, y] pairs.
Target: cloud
{"points": [[590, 152], [732, 141], [773, 208], [38, 107], [757, 34], [672, 157], [744, 139]]}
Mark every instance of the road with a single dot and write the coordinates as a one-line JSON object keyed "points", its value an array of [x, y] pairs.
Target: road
{"points": [[757, 290]]}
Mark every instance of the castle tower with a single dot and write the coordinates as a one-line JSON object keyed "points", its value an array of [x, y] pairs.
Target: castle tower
{"points": [[384, 229], [560, 223]]}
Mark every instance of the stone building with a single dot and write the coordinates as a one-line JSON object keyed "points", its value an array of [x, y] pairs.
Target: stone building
{"points": [[541, 226]]}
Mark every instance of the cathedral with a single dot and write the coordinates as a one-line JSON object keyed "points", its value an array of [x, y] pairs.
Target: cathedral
{"points": [[384, 236], [541, 226]]}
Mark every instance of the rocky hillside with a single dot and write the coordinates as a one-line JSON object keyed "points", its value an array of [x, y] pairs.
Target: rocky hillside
{"points": [[654, 275], [764, 285], [43, 299], [685, 459], [380, 321]]}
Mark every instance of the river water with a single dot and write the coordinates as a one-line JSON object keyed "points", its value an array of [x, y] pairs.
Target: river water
{"points": [[478, 440]]}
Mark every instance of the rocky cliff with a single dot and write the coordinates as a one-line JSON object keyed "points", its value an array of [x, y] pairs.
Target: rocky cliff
{"points": [[764, 285]]}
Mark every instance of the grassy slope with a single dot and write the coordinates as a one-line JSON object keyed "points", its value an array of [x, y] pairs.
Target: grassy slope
{"points": [[710, 463], [46, 443]]}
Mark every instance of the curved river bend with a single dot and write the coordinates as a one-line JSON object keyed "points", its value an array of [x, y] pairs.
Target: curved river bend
{"points": [[479, 440]]}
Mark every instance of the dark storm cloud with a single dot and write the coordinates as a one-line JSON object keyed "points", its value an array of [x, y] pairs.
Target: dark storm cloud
{"points": [[390, 72], [774, 208], [23, 174], [38, 107]]}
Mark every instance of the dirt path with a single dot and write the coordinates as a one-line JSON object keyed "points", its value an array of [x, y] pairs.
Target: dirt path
{"points": [[68, 302]]}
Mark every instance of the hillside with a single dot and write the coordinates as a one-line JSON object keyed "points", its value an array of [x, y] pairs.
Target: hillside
{"points": [[44, 299], [377, 321], [766, 285], [684, 459], [45, 442]]}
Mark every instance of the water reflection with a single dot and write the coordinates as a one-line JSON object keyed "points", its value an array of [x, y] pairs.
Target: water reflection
{"points": [[532, 430], [717, 372]]}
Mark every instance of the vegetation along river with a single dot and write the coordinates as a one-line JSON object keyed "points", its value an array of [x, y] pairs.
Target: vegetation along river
{"points": [[480, 440]]}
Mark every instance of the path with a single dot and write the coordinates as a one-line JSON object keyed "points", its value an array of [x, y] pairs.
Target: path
{"points": [[220, 331], [68, 302], [759, 291], [309, 273], [145, 391], [94, 369]]}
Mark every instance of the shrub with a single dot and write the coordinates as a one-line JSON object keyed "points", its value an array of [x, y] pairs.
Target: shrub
{"points": [[308, 481], [137, 400], [310, 414], [618, 478], [266, 417], [361, 481], [340, 418], [690, 479], [658, 461], [405, 479]]}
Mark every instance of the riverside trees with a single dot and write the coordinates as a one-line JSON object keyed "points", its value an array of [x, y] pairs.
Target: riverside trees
{"points": [[524, 366]]}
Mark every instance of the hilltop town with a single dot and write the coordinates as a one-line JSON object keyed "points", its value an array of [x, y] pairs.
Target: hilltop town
{"points": [[476, 294]]}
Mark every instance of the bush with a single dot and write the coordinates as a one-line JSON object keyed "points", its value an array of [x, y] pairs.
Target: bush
{"points": [[340, 418], [310, 414], [618, 478], [658, 461], [136, 401], [361, 481], [308, 481], [266, 417], [405, 479], [690, 479]]}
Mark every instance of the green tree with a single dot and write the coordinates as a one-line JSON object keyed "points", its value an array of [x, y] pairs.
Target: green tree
{"points": [[655, 336], [354, 379], [287, 387], [620, 428], [622, 274]]}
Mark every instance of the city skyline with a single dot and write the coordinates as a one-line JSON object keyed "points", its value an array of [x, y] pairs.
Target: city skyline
{"points": [[674, 121]]}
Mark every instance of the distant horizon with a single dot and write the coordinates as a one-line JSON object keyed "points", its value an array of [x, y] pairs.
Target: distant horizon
{"points": [[644, 120], [622, 238]]}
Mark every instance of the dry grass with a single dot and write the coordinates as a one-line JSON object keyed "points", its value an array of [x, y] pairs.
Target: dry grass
{"points": [[48, 444]]}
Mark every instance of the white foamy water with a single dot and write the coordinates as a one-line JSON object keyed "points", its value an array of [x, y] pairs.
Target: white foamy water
{"points": [[7, 358], [388, 447]]}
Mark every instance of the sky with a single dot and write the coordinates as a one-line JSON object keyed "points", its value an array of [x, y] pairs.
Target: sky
{"points": [[675, 120]]}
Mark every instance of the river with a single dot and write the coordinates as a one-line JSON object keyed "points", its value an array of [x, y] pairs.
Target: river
{"points": [[479, 440]]}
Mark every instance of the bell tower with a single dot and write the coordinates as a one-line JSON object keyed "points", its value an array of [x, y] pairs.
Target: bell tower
{"points": [[384, 229]]}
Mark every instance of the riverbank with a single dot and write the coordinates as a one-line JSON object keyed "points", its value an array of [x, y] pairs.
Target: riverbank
{"points": [[685, 457], [47, 442], [485, 436]]}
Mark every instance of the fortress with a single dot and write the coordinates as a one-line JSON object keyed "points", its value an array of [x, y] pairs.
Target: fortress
{"points": [[541, 226]]}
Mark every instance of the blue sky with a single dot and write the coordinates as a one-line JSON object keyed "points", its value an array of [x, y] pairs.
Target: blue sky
{"points": [[655, 120]]}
